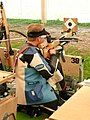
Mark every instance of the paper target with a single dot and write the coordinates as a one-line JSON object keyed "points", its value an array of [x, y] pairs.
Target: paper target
{"points": [[70, 23]]}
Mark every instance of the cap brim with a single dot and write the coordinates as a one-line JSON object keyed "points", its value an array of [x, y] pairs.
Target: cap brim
{"points": [[37, 34]]}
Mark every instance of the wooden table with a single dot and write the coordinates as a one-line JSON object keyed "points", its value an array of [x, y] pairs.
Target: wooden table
{"points": [[76, 108], [8, 105], [6, 76]]}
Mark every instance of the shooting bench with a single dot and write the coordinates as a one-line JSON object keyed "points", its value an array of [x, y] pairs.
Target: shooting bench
{"points": [[8, 104], [73, 66], [76, 108]]}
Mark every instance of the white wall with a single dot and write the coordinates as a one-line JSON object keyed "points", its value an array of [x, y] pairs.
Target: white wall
{"points": [[69, 8], [23, 8], [56, 9]]}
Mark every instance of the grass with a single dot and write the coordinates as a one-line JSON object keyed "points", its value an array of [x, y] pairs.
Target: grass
{"points": [[72, 50], [23, 116], [87, 67], [87, 25], [22, 21], [49, 22], [17, 22]]}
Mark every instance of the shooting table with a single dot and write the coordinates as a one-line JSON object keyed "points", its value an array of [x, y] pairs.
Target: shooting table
{"points": [[76, 108], [73, 66], [8, 105], [6, 76]]}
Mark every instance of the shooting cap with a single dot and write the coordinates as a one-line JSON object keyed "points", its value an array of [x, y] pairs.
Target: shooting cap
{"points": [[36, 30]]}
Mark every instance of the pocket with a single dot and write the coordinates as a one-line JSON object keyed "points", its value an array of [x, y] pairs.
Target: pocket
{"points": [[35, 93]]}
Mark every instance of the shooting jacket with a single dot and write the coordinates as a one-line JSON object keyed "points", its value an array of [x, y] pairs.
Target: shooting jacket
{"points": [[32, 72]]}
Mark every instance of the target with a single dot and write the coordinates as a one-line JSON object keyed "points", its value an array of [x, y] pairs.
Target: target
{"points": [[70, 24]]}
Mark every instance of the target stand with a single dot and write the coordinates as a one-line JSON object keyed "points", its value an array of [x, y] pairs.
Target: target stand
{"points": [[70, 24]]}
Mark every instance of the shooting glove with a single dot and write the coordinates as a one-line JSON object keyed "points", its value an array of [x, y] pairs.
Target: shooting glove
{"points": [[57, 77]]}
